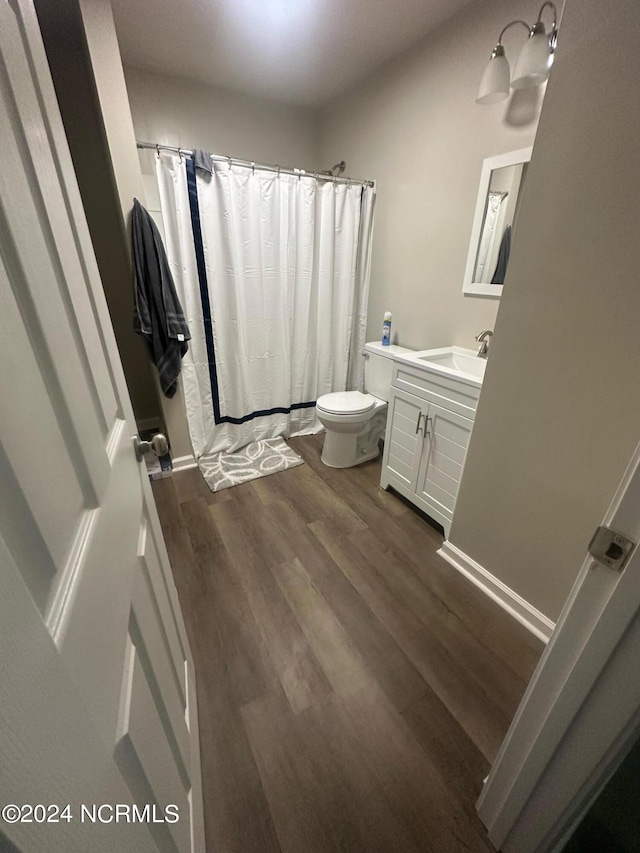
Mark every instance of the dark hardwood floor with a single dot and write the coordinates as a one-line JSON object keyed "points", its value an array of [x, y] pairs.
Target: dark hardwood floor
{"points": [[352, 687]]}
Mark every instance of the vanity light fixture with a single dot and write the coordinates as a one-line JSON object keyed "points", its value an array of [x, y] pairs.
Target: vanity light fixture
{"points": [[532, 65]]}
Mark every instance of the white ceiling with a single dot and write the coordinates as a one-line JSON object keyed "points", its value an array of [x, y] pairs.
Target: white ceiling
{"points": [[297, 51]]}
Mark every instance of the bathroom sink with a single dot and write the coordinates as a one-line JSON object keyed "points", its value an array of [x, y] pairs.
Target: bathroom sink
{"points": [[460, 361], [456, 362]]}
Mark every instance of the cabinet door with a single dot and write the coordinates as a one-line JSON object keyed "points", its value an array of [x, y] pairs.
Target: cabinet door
{"points": [[447, 437], [403, 442]]}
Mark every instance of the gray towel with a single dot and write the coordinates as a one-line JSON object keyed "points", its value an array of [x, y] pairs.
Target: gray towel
{"points": [[203, 161], [503, 257], [157, 314]]}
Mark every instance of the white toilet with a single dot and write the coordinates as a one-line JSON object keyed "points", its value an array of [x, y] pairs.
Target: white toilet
{"points": [[354, 422]]}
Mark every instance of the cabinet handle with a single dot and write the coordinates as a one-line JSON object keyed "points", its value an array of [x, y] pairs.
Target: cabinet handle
{"points": [[427, 431], [418, 422]]}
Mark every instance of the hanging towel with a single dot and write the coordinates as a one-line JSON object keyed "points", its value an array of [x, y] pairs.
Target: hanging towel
{"points": [[157, 314], [203, 161], [503, 257]]}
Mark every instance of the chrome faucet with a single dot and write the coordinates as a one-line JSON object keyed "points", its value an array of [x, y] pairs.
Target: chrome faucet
{"points": [[482, 338]]}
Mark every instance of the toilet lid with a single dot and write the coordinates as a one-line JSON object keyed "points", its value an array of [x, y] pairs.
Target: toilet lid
{"points": [[346, 402]]}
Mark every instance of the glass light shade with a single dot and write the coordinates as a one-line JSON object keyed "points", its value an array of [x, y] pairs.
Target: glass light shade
{"points": [[533, 63], [494, 85]]}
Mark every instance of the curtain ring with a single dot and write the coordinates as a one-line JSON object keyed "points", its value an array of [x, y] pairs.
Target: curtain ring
{"points": [[349, 183], [277, 171], [158, 151], [253, 168], [180, 155], [315, 177], [229, 162]]}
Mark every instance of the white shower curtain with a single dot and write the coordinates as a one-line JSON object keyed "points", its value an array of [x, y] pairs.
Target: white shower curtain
{"points": [[273, 271], [491, 227]]}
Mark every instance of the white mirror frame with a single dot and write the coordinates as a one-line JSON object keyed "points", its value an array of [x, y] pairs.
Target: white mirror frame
{"points": [[489, 164]]}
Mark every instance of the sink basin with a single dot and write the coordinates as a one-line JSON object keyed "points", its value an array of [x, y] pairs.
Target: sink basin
{"points": [[459, 361], [463, 364]]}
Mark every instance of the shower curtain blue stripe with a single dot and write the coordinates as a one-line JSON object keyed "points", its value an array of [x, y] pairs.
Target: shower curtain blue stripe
{"points": [[202, 281], [206, 315]]}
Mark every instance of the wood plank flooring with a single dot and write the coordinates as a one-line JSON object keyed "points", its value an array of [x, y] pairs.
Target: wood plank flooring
{"points": [[352, 687]]}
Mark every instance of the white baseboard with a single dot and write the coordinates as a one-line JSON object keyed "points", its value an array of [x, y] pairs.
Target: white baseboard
{"points": [[181, 463], [509, 600]]}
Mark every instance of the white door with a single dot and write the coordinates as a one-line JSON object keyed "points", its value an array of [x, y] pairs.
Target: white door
{"points": [[581, 711], [404, 438], [97, 698], [447, 435]]}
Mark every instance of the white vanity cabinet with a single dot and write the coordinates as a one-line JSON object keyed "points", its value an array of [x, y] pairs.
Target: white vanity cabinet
{"points": [[429, 423]]}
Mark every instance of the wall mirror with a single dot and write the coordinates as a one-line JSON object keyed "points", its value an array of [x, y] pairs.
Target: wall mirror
{"points": [[495, 220]]}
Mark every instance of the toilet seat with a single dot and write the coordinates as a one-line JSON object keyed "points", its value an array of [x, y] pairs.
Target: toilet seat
{"points": [[346, 403]]}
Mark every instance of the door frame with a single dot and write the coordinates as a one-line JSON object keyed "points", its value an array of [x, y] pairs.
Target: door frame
{"points": [[579, 714]]}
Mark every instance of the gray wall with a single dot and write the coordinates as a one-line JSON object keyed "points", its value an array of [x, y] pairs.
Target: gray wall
{"points": [[415, 127], [192, 115], [559, 414]]}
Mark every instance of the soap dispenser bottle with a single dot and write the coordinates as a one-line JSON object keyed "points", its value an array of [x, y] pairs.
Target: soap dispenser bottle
{"points": [[386, 329]]}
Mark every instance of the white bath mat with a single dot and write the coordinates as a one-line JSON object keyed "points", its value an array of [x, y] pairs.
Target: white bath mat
{"points": [[258, 459]]}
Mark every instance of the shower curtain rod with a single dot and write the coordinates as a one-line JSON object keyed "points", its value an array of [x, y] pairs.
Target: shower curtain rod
{"points": [[250, 164]]}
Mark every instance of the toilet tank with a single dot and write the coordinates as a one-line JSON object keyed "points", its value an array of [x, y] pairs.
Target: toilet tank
{"points": [[378, 368]]}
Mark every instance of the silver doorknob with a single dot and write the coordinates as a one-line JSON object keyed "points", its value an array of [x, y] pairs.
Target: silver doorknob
{"points": [[158, 445]]}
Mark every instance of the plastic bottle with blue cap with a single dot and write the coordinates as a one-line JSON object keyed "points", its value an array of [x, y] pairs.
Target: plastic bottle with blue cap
{"points": [[386, 329]]}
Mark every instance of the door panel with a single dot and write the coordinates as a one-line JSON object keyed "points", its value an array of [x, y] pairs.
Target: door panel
{"points": [[441, 499], [160, 588], [37, 414], [146, 760], [439, 478], [400, 457], [148, 632], [404, 444], [450, 449], [50, 751], [447, 438], [442, 462], [89, 617], [94, 664]]}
